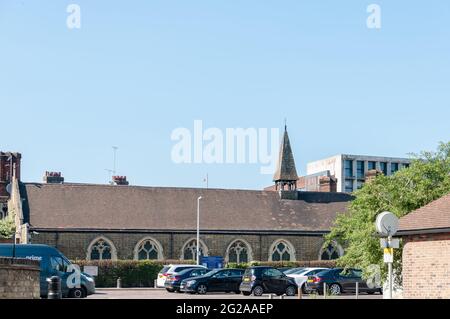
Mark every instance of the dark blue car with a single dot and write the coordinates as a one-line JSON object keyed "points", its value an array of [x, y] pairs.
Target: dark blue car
{"points": [[173, 281], [338, 281], [218, 280]]}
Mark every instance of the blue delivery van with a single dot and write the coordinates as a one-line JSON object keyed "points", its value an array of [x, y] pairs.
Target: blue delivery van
{"points": [[53, 263]]}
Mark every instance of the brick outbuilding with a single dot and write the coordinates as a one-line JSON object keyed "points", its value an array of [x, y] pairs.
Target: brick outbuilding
{"points": [[426, 251]]}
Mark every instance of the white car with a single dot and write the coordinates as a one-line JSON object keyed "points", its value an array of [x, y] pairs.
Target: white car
{"points": [[171, 269], [301, 276]]}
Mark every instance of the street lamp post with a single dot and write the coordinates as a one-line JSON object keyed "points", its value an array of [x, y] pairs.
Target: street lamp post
{"points": [[198, 230]]}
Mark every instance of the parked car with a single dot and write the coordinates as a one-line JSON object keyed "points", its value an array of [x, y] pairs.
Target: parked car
{"points": [[338, 281], [52, 263], [171, 269], [292, 270], [284, 269], [219, 280], [173, 281], [260, 280], [301, 276]]}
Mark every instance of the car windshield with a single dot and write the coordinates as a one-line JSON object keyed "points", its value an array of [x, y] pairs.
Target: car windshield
{"points": [[164, 270], [326, 272], [248, 272], [212, 272], [193, 270]]}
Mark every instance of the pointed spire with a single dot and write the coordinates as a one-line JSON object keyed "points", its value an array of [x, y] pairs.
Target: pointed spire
{"points": [[286, 173]]}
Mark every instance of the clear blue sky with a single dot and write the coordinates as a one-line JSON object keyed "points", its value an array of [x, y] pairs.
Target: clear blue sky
{"points": [[136, 70]]}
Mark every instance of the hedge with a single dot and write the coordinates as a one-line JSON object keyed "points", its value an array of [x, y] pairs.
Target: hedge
{"points": [[142, 273], [132, 273]]}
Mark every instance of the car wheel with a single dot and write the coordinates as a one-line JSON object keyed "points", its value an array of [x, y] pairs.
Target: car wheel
{"points": [[246, 293], [371, 292], [258, 291], [202, 289], [290, 291], [304, 290], [335, 289], [78, 293], [170, 290]]}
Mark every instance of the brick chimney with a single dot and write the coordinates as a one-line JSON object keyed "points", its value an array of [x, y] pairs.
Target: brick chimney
{"points": [[53, 178], [9, 167], [372, 174], [327, 184], [120, 180]]}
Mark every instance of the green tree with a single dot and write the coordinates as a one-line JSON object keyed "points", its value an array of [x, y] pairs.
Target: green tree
{"points": [[7, 227], [427, 179]]}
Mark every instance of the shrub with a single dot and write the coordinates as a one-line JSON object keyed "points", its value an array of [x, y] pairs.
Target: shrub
{"points": [[7, 227], [133, 273]]}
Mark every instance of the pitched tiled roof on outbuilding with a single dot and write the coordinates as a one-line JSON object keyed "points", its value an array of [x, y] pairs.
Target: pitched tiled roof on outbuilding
{"points": [[432, 217], [87, 206]]}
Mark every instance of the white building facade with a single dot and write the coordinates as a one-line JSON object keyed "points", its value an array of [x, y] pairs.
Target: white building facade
{"points": [[350, 170]]}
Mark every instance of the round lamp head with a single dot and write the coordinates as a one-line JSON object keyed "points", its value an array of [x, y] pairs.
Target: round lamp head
{"points": [[386, 224]]}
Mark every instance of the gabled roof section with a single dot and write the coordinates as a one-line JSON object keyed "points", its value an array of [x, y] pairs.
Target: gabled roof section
{"points": [[87, 206], [434, 216]]}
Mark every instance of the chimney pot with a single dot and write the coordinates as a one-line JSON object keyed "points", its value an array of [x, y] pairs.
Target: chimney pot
{"points": [[53, 178]]}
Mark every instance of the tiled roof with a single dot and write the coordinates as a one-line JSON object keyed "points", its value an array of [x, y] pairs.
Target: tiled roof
{"points": [[86, 206], [435, 215]]}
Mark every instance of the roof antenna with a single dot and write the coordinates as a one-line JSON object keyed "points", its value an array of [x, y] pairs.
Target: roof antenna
{"points": [[115, 159], [285, 124]]}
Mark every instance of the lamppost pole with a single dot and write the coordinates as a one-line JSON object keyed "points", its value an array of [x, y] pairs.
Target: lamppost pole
{"points": [[198, 230], [390, 271]]}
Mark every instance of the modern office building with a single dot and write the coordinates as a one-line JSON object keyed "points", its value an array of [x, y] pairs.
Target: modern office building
{"points": [[349, 171]]}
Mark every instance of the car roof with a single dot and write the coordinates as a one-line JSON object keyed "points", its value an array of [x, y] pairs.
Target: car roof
{"points": [[192, 269], [184, 265]]}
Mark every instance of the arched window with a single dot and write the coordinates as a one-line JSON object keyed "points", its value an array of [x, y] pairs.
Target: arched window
{"points": [[189, 251], [282, 250], [101, 249], [239, 251], [331, 251], [148, 249]]}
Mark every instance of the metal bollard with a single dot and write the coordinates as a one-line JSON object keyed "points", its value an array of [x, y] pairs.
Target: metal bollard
{"points": [[300, 293], [282, 297], [324, 290], [54, 288], [119, 283], [357, 290], [270, 296], [155, 283]]}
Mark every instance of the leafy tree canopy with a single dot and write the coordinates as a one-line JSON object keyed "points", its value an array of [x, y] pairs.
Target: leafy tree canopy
{"points": [[427, 179], [7, 227]]}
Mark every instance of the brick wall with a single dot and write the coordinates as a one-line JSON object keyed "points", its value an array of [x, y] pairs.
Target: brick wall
{"points": [[426, 266], [75, 244], [19, 279]]}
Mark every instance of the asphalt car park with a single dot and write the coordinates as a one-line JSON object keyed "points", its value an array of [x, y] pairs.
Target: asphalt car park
{"points": [[256, 282], [152, 293]]}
